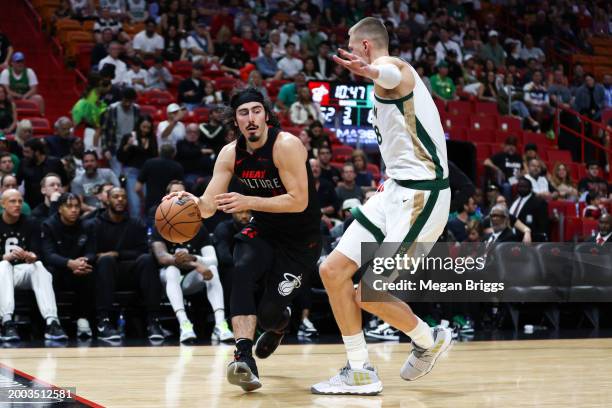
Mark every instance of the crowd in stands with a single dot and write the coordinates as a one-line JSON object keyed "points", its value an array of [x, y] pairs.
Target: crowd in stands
{"points": [[130, 150]]}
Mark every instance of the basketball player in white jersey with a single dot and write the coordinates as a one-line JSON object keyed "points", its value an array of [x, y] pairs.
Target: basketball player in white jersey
{"points": [[412, 207]]}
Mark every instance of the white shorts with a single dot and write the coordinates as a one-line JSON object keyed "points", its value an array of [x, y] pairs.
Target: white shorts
{"points": [[397, 214]]}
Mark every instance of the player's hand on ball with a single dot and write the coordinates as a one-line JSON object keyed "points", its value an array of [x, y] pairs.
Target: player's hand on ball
{"points": [[232, 202]]}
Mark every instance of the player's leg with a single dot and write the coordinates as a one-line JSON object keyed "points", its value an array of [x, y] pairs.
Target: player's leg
{"points": [[252, 258], [105, 284], [7, 302], [194, 282], [290, 275], [170, 277], [419, 218], [36, 277], [145, 277]]}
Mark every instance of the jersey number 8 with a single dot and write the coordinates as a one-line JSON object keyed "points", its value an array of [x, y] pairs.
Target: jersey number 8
{"points": [[378, 135]]}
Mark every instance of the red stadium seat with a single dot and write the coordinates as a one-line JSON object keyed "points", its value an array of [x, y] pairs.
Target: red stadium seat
{"points": [[182, 68], [454, 120], [375, 170], [342, 152], [486, 108], [458, 133], [573, 228], [25, 105], [589, 227], [509, 124], [149, 110], [483, 151], [440, 105], [480, 136], [202, 114], [460, 108], [41, 126], [337, 165], [562, 156], [567, 208], [479, 122], [225, 83]]}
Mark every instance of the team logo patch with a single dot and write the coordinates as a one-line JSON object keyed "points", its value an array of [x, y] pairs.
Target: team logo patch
{"points": [[290, 283]]}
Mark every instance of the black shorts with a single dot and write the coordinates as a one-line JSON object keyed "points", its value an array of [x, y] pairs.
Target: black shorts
{"points": [[280, 269]]}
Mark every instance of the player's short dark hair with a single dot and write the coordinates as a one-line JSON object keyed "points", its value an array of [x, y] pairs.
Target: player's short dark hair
{"points": [[43, 181], [174, 183], [372, 29], [249, 94], [65, 197]]}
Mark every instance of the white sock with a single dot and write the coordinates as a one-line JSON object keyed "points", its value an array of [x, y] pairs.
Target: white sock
{"points": [[219, 317], [356, 350], [7, 317], [181, 316], [421, 335], [51, 319]]}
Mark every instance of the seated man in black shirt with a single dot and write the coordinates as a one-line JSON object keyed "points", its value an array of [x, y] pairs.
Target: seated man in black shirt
{"points": [[531, 210], [194, 156], [191, 90], [123, 261], [326, 193], [69, 254], [328, 171], [51, 188], [224, 245], [21, 268], [506, 166], [592, 181], [189, 268]]}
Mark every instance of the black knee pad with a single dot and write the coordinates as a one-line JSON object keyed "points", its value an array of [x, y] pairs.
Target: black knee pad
{"points": [[272, 316]]}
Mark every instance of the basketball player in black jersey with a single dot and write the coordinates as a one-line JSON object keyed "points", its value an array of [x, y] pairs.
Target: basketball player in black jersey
{"points": [[278, 250]]}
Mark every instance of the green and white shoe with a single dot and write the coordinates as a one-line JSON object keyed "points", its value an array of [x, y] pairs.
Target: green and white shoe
{"points": [[221, 332], [187, 333]]}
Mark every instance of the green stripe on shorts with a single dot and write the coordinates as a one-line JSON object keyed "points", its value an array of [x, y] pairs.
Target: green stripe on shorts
{"points": [[367, 224]]}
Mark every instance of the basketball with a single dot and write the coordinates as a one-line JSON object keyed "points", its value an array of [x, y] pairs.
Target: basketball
{"points": [[178, 220]]}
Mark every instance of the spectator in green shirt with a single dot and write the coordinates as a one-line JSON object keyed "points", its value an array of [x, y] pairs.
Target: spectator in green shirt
{"points": [[441, 85], [287, 95]]}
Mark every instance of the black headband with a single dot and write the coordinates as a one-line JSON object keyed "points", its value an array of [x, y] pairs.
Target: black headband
{"points": [[246, 96]]}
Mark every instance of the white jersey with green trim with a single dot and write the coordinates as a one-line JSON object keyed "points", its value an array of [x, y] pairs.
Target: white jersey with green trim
{"points": [[410, 135]]}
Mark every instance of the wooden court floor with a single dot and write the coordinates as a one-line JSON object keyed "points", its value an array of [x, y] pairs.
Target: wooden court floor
{"points": [[533, 373]]}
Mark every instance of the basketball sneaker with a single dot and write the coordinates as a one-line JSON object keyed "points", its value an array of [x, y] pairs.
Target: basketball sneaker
{"points": [[83, 328], [421, 361], [107, 332], [187, 333], [383, 332], [221, 332], [307, 329], [9, 331], [267, 343], [53, 331], [350, 381], [243, 372], [154, 330]]}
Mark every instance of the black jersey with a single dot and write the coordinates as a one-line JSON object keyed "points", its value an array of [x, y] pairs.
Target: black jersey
{"points": [[259, 177], [194, 246], [24, 234]]}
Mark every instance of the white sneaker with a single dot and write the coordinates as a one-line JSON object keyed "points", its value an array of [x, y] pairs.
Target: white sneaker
{"points": [[221, 332], [421, 361], [307, 329], [349, 381], [383, 332], [83, 328], [187, 333]]}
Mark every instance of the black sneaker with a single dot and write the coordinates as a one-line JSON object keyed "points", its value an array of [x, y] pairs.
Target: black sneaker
{"points": [[54, 331], [154, 330], [243, 372], [267, 343], [9, 331], [106, 331]]}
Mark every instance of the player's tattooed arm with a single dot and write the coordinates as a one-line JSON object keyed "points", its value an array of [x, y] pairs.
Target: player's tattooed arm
{"points": [[161, 253]]}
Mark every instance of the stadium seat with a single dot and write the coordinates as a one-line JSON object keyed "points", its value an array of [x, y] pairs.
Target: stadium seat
{"points": [[454, 120], [592, 278], [565, 207], [149, 110], [479, 122], [182, 68], [561, 156], [342, 152], [483, 151], [375, 170], [440, 105], [509, 124], [573, 228], [589, 227], [40, 126], [480, 136], [26, 108], [486, 108], [225, 83], [460, 108], [202, 114]]}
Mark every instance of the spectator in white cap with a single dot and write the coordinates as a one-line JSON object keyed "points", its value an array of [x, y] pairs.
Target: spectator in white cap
{"points": [[493, 50], [172, 130], [22, 82]]}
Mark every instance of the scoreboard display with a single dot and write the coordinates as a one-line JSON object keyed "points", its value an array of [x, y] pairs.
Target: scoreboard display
{"points": [[347, 110]]}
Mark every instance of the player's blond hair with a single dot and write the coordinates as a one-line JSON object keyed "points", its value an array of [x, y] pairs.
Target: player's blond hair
{"points": [[372, 29]]}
